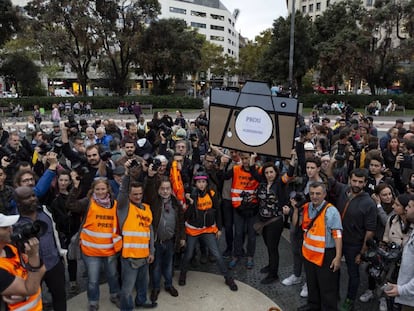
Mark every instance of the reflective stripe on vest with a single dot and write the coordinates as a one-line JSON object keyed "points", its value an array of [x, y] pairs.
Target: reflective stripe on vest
{"points": [[314, 239], [14, 267], [242, 181], [99, 235], [202, 204], [136, 232]]}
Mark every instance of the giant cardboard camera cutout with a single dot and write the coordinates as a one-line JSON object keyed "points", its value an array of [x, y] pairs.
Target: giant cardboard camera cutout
{"points": [[253, 120]]}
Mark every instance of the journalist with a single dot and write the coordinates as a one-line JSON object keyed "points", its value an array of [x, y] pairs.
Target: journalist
{"points": [[19, 285], [404, 289]]}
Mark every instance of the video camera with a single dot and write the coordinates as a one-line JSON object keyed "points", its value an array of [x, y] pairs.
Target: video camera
{"points": [[383, 261], [23, 232]]}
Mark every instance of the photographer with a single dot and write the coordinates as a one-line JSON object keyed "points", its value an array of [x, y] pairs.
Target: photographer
{"points": [[30, 211], [75, 154], [404, 289], [19, 286]]}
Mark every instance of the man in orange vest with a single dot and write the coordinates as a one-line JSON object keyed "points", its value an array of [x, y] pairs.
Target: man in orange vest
{"points": [[135, 221], [245, 208], [19, 285], [321, 249]]}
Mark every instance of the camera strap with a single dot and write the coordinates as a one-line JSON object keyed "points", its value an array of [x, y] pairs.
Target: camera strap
{"points": [[316, 216]]}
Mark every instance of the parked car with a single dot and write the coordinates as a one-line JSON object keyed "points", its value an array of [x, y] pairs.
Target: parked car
{"points": [[63, 93], [7, 94]]}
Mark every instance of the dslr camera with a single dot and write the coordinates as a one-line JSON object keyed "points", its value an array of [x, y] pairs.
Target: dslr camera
{"points": [[156, 163], [71, 122], [167, 130], [23, 232], [105, 156]]}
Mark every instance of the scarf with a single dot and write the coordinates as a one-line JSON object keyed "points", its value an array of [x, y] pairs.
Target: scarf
{"points": [[105, 202]]}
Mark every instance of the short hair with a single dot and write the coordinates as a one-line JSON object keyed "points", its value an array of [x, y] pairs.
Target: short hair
{"points": [[19, 175], [377, 157], [360, 172], [316, 184], [136, 184], [315, 160]]}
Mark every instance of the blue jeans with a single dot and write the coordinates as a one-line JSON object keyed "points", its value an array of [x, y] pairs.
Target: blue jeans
{"points": [[350, 251], [133, 278], [93, 266], [240, 224], [163, 263], [210, 241]]}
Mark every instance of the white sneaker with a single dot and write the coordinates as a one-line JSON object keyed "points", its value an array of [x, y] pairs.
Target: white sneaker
{"points": [[292, 280], [304, 291], [383, 304], [367, 296]]}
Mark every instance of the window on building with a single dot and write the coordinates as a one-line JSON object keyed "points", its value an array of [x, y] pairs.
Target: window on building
{"points": [[178, 10], [199, 14], [217, 38], [215, 16], [198, 25], [229, 31], [318, 6], [311, 7], [304, 9], [328, 2], [229, 51], [369, 2], [229, 21], [215, 27]]}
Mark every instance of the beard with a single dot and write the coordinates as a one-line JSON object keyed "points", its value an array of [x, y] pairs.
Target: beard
{"points": [[27, 209], [356, 189]]}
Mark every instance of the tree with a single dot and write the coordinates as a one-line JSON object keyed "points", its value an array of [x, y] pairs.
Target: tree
{"points": [[251, 54], [19, 68], [120, 25], [64, 31], [9, 21], [168, 48], [274, 65]]}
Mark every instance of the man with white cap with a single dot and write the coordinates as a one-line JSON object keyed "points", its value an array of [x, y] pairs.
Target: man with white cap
{"points": [[19, 285]]}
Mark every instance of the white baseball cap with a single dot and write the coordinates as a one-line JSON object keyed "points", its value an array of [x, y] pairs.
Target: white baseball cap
{"points": [[7, 221], [309, 146]]}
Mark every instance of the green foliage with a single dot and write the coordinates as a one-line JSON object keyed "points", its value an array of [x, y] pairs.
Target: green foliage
{"points": [[274, 65], [169, 48], [21, 69], [9, 21], [109, 102]]}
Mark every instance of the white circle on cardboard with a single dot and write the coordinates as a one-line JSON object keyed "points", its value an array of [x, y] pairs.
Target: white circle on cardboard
{"points": [[254, 126]]}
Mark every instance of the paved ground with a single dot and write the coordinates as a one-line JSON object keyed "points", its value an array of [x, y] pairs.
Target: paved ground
{"points": [[252, 296]]}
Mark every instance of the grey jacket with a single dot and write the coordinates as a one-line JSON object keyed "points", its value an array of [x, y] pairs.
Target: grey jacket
{"points": [[406, 275]]}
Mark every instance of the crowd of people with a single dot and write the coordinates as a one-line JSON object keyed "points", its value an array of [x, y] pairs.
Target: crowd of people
{"points": [[139, 201]]}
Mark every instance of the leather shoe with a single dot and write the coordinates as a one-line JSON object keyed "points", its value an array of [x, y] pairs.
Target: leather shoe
{"points": [[182, 279], [147, 305], [173, 292], [269, 279], [154, 295]]}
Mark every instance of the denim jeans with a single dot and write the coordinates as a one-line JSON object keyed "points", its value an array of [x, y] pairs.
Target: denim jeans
{"points": [[350, 251], [240, 224], [163, 263], [228, 221], [93, 266], [210, 241], [133, 278]]}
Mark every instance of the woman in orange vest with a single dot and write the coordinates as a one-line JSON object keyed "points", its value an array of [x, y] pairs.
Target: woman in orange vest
{"points": [[100, 240], [203, 221]]}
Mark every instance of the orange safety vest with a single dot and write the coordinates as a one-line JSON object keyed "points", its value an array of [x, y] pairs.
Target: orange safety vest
{"points": [[242, 181], [203, 203], [14, 266], [314, 239], [177, 183], [99, 236], [136, 232]]}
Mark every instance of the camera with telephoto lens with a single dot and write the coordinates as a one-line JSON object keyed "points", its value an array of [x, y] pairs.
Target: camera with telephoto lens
{"points": [[105, 156], [167, 130], [134, 163], [71, 122], [383, 261], [23, 232], [44, 148], [8, 154], [299, 197]]}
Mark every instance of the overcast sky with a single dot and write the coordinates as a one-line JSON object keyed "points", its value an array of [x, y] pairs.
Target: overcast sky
{"points": [[256, 15]]}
